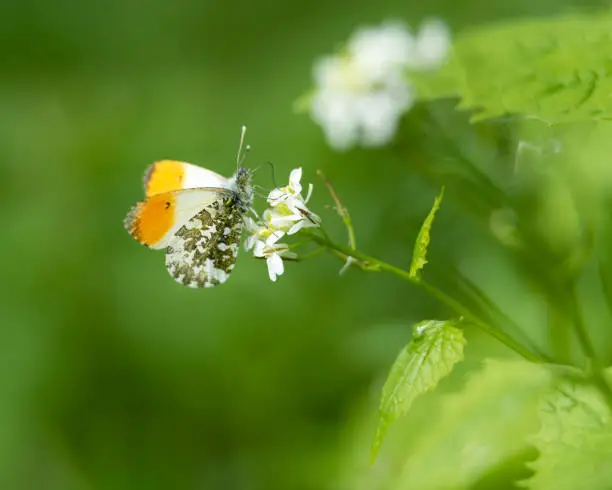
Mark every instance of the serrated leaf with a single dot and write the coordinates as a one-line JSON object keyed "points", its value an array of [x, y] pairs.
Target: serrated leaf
{"points": [[574, 442], [481, 427], [556, 69], [419, 255], [435, 348]]}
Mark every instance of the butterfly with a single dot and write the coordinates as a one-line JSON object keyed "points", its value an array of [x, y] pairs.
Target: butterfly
{"points": [[196, 215]]}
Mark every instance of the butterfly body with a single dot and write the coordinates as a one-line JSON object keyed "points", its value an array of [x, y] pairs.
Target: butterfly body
{"points": [[196, 215]]}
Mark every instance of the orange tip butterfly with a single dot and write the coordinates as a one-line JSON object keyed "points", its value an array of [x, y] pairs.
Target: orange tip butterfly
{"points": [[196, 215]]}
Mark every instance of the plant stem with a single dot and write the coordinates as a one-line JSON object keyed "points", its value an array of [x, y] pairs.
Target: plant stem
{"points": [[586, 344], [435, 293], [480, 298], [605, 285], [485, 327], [341, 210], [559, 333], [575, 313]]}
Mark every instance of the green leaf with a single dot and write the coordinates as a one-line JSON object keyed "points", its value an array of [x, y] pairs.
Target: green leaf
{"points": [[419, 255], [479, 428], [556, 69], [435, 348], [574, 442]]}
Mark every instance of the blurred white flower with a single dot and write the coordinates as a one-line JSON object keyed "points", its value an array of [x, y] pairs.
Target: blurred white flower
{"points": [[431, 46], [351, 107], [377, 51], [362, 93]]}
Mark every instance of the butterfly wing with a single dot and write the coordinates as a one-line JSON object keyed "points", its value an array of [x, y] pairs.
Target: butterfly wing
{"points": [[202, 252], [156, 219], [170, 175]]}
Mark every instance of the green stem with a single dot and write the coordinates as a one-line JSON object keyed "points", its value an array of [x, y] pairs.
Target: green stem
{"points": [[559, 333], [312, 254], [605, 286], [435, 293], [586, 344], [480, 298], [485, 327], [575, 313]]}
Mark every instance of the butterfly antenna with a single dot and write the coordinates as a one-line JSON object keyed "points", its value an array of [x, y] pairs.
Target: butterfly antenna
{"points": [[271, 170], [241, 155]]}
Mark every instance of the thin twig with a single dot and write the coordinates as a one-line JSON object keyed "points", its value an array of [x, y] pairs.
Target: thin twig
{"points": [[341, 210], [346, 219]]}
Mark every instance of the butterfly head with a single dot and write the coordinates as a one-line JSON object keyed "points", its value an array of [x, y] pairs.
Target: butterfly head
{"points": [[240, 183]]}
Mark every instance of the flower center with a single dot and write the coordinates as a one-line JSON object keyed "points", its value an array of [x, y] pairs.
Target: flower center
{"points": [[351, 78]]}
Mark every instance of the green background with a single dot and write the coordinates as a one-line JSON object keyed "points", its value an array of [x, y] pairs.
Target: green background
{"points": [[114, 377]]}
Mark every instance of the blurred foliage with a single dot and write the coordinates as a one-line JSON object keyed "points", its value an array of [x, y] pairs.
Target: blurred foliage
{"points": [[480, 428], [574, 440], [114, 377], [555, 69]]}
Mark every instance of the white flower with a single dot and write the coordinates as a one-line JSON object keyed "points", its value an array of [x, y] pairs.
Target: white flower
{"points": [[286, 223], [274, 255], [294, 188], [257, 231], [362, 93], [286, 215], [288, 212]]}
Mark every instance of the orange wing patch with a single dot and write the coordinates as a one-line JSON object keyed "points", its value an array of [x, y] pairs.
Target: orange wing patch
{"points": [[164, 176], [150, 220]]}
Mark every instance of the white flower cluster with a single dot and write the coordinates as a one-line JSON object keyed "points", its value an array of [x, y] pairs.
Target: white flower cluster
{"points": [[362, 93], [286, 215]]}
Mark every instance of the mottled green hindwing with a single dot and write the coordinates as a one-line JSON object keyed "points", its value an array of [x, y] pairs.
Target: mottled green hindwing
{"points": [[203, 251]]}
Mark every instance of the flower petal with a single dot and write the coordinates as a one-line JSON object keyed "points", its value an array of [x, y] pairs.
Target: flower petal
{"points": [[296, 227], [276, 196], [275, 266], [249, 242], [274, 237], [294, 180], [334, 112], [377, 50], [309, 193], [259, 248], [432, 45]]}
